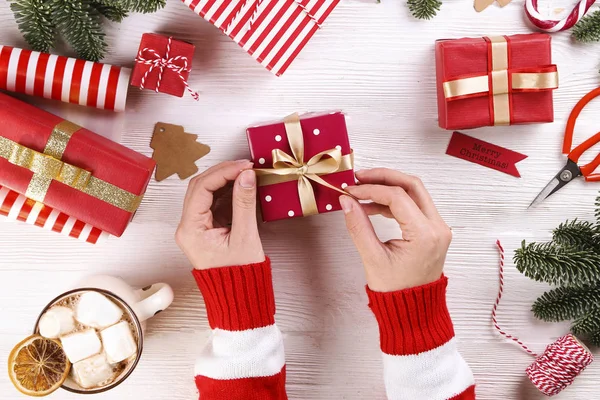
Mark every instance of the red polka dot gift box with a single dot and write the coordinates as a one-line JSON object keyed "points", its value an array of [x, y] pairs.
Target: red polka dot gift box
{"points": [[303, 164]]}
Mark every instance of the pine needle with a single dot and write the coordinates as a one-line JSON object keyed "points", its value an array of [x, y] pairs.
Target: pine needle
{"points": [[588, 29], [577, 234], [562, 304], [424, 9], [547, 262], [79, 23], [113, 10], [144, 6], [34, 18], [588, 324]]}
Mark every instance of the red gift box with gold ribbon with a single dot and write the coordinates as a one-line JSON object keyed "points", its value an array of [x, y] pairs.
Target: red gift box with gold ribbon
{"points": [[303, 164], [500, 80], [70, 168]]}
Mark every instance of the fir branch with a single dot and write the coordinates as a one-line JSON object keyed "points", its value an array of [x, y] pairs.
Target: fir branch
{"points": [[588, 29], [563, 304], [144, 6], [582, 235], [34, 19], [547, 262], [588, 324], [79, 23], [595, 338], [597, 212], [424, 9], [113, 10]]}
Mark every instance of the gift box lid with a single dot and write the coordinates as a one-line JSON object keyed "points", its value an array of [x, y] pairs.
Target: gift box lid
{"points": [[106, 160]]}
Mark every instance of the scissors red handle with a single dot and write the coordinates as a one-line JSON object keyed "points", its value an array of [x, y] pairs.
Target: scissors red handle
{"points": [[586, 170]]}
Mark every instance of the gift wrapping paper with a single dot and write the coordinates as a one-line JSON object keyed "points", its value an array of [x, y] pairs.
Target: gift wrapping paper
{"points": [[154, 49], [320, 133], [63, 78], [17, 207], [501, 80], [279, 30], [70, 168]]}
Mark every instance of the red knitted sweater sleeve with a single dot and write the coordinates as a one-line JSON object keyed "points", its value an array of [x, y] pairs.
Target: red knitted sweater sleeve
{"points": [[244, 358], [420, 357]]}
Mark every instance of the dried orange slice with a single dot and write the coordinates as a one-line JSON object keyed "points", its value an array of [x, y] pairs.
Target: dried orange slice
{"points": [[38, 366]]}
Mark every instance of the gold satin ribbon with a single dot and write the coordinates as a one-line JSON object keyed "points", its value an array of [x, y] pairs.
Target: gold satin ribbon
{"points": [[500, 78], [48, 167], [287, 168]]}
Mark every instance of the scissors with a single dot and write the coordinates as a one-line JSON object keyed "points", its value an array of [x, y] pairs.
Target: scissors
{"points": [[572, 170]]}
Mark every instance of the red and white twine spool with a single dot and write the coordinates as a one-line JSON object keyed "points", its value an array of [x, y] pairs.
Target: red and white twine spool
{"points": [[561, 362], [551, 25], [177, 65]]}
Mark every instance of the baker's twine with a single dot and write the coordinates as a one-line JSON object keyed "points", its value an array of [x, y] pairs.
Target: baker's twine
{"points": [[561, 362], [177, 64]]}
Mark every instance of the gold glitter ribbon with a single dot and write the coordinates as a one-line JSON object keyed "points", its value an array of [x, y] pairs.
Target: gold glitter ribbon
{"points": [[48, 167], [496, 83], [287, 168]]}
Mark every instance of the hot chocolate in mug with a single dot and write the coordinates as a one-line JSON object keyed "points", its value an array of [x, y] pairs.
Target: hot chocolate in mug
{"points": [[138, 305]]}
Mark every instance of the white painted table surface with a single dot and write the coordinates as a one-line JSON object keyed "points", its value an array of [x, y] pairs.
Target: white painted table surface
{"points": [[376, 63]]}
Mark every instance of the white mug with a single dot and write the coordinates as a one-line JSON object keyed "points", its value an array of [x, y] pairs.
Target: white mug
{"points": [[145, 302], [139, 304]]}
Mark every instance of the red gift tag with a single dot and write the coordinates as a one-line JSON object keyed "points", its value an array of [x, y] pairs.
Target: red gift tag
{"points": [[484, 153]]}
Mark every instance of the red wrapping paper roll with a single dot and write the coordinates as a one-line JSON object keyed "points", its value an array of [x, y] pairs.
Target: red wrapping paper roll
{"points": [[62, 78], [17, 207]]}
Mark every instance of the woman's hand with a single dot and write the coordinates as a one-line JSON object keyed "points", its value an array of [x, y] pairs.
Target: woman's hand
{"points": [[416, 259], [205, 242]]}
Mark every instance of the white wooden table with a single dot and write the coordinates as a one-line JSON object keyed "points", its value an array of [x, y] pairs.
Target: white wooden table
{"points": [[376, 63]]}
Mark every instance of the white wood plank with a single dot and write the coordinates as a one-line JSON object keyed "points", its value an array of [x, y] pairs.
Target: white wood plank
{"points": [[376, 63]]}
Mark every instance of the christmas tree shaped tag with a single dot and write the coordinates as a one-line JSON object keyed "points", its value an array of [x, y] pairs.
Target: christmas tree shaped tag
{"points": [[175, 151]]}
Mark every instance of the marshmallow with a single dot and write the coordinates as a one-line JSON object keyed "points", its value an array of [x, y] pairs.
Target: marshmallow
{"points": [[119, 343], [96, 310], [57, 321], [81, 345], [92, 372]]}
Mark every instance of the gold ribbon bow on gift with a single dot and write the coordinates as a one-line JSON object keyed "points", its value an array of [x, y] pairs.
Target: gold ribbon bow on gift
{"points": [[48, 167], [287, 168], [501, 81]]}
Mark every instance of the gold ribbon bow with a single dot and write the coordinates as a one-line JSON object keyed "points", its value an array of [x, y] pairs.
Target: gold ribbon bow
{"points": [[48, 167], [287, 168], [501, 81]]}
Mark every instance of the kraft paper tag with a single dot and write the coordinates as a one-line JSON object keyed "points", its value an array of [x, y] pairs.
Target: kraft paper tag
{"points": [[481, 5], [175, 151], [483, 153]]}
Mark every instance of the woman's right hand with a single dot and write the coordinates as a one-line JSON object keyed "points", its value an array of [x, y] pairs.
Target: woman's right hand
{"points": [[416, 259]]}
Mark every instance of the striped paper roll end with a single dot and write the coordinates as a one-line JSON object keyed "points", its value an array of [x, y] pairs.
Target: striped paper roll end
{"points": [[19, 208], [69, 80]]}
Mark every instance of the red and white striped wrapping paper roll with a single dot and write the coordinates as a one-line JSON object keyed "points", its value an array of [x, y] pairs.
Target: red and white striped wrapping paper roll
{"points": [[279, 32], [62, 78], [19, 208]]}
